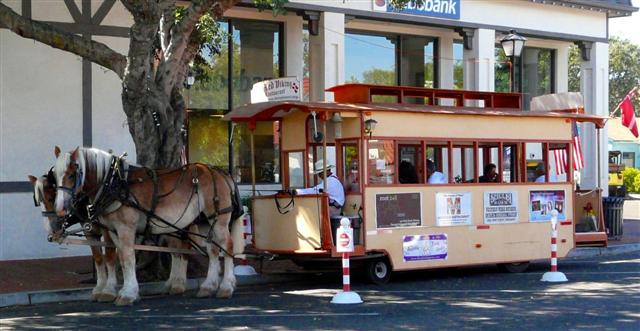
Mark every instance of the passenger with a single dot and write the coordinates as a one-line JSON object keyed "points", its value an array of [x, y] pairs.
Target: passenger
{"points": [[489, 174], [434, 177], [352, 183], [407, 173], [540, 172], [335, 190]]}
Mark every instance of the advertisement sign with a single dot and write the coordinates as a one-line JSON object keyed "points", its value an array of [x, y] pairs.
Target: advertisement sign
{"points": [[453, 208], [344, 240], [500, 207], [541, 203], [434, 8], [429, 247], [279, 89], [396, 210]]}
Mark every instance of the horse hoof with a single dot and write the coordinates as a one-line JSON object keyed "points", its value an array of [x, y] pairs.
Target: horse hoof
{"points": [[106, 297], [124, 301], [224, 293], [204, 292], [175, 290], [95, 297]]}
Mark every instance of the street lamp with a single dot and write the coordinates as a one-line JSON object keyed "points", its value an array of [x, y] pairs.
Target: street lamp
{"points": [[512, 44]]}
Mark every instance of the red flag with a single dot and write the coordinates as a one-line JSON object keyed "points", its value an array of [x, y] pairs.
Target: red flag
{"points": [[628, 114]]}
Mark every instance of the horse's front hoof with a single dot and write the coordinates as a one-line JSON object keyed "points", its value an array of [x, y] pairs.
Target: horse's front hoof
{"points": [[205, 292], [106, 297], [124, 301], [177, 289], [226, 290], [95, 297]]}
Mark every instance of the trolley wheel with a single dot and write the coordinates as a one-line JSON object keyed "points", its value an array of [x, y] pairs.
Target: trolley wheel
{"points": [[379, 271], [514, 268]]}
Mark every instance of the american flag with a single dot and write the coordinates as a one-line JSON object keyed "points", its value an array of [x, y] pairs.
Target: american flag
{"points": [[560, 155]]}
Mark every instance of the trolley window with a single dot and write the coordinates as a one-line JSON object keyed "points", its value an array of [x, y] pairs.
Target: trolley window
{"points": [[381, 162]]}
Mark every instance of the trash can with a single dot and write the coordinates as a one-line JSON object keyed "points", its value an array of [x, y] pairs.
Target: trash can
{"points": [[356, 224], [612, 208]]}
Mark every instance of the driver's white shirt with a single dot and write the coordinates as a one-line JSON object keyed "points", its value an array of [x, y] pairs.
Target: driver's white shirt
{"points": [[334, 189]]}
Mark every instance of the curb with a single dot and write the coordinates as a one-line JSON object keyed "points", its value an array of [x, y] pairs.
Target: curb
{"points": [[146, 289], [603, 251]]}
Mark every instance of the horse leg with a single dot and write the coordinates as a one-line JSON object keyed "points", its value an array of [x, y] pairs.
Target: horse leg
{"points": [[212, 281], [101, 272], [126, 239], [176, 284], [109, 292], [223, 238]]}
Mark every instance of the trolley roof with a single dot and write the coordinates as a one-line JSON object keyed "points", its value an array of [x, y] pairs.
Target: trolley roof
{"points": [[271, 111]]}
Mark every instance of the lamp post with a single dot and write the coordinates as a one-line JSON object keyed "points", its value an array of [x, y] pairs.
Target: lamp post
{"points": [[512, 44]]}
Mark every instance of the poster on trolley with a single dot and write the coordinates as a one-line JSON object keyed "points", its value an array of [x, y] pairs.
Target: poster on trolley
{"points": [[453, 208], [425, 247], [541, 203], [500, 207]]}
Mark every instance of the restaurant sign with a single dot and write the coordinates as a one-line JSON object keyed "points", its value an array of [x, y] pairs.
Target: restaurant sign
{"points": [[435, 8]]}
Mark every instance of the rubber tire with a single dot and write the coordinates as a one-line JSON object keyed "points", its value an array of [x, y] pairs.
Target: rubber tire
{"points": [[378, 271], [514, 268]]}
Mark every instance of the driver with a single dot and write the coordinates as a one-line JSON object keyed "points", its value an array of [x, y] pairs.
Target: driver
{"points": [[334, 188]]}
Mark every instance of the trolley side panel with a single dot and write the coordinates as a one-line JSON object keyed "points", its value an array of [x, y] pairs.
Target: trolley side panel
{"points": [[296, 231]]}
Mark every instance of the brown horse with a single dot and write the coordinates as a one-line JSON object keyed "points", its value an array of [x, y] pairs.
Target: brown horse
{"points": [[44, 194], [128, 200]]}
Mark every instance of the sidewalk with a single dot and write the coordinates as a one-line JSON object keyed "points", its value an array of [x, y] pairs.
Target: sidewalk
{"points": [[31, 281]]}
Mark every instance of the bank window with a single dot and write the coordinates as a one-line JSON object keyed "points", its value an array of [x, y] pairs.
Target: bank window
{"points": [[537, 73], [256, 56], [210, 90], [370, 58], [206, 131], [417, 60], [381, 162], [458, 65], [251, 50], [410, 167]]}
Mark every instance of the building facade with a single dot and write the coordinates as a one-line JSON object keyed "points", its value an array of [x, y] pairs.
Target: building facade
{"points": [[49, 97]]}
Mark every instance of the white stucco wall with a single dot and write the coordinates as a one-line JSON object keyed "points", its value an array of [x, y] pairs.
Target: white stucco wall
{"points": [[40, 107]]}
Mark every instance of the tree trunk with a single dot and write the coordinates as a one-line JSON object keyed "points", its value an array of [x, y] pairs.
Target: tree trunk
{"points": [[155, 122]]}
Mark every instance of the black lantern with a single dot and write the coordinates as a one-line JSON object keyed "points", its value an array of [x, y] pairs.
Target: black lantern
{"points": [[512, 44], [369, 126]]}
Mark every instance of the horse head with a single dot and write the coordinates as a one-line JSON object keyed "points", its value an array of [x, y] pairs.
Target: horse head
{"points": [[81, 171], [44, 195]]}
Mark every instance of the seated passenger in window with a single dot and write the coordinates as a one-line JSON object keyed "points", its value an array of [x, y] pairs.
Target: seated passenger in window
{"points": [[540, 173], [407, 173], [434, 177], [489, 174]]}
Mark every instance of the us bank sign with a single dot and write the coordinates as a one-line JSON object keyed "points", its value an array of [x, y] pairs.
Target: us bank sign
{"points": [[435, 8]]}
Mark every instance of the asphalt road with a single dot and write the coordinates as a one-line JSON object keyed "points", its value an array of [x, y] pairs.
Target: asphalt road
{"points": [[602, 294]]}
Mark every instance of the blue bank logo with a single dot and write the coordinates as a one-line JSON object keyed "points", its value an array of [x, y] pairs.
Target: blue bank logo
{"points": [[435, 8]]}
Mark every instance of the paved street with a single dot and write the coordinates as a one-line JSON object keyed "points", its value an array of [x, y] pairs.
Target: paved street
{"points": [[602, 294]]}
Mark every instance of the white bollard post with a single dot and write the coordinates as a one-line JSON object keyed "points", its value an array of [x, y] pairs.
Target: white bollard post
{"points": [[244, 269], [554, 275], [344, 245]]}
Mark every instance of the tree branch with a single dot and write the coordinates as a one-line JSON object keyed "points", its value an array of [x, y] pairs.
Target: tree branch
{"points": [[181, 34], [93, 51]]}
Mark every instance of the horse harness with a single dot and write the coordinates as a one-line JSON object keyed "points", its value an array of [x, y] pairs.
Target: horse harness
{"points": [[114, 192]]}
